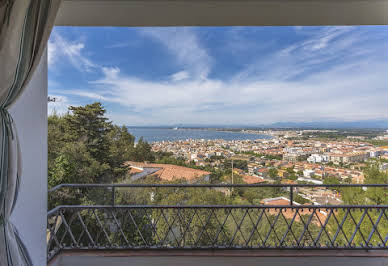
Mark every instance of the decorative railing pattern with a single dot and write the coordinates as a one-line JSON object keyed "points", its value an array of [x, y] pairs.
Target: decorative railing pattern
{"points": [[114, 226]]}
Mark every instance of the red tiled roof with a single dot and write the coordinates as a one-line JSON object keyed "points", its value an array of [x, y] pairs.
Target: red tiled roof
{"points": [[289, 213], [171, 172], [252, 179], [134, 171]]}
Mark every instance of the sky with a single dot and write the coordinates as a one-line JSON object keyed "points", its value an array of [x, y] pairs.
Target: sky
{"points": [[221, 75]]}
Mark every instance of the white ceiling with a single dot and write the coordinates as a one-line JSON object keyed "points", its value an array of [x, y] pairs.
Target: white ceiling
{"points": [[222, 12]]}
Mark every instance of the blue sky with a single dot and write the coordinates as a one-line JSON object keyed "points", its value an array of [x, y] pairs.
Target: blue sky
{"points": [[222, 75]]}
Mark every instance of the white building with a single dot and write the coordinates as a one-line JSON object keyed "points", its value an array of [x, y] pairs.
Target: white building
{"points": [[318, 158], [374, 153], [314, 181], [308, 173]]}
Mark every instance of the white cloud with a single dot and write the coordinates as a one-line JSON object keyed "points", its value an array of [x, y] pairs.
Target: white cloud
{"points": [[185, 46], [59, 48], [51, 52], [333, 94], [88, 94], [327, 76], [181, 75], [323, 38], [314, 53]]}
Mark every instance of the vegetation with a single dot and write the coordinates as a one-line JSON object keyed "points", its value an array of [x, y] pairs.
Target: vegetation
{"points": [[262, 155], [85, 147], [369, 196], [240, 164], [378, 142], [331, 180], [339, 134]]}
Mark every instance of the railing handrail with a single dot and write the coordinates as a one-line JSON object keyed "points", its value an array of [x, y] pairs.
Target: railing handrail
{"points": [[210, 185], [152, 237], [152, 227], [323, 207]]}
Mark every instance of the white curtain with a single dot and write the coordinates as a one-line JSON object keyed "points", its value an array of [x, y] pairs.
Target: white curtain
{"points": [[25, 26]]}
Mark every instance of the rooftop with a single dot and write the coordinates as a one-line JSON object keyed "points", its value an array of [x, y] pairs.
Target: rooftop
{"points": [[169, 172]]}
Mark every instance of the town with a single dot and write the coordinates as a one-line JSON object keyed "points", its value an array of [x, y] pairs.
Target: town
{"points": [[283, 158], [273, 181], [267, 164]]}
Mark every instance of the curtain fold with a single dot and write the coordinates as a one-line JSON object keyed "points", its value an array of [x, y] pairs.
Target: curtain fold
{"points": [[25, 26]]}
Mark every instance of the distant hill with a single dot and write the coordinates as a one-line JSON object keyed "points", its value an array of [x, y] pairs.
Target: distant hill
{"points": [[361, 124], [337, 124]]}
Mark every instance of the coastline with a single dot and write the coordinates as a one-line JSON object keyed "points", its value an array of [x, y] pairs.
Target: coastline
{"points": [[157, 134]]}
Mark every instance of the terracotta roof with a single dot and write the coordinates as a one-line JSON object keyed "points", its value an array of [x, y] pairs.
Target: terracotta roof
{"points": [[252, 179], [134, 170], [277, 201], [290, 213], [171, 172]]}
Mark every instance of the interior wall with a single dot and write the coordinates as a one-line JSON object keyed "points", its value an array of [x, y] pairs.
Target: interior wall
{"points": [[30, 116], [30, 111]]}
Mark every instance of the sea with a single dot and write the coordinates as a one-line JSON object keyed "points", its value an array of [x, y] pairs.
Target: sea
{"points": [[151, 134]]}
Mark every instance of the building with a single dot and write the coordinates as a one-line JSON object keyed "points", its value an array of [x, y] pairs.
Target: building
{"points": [[310, 180], [318, 158], [167, 172], [384, 166], [253, 179], [308, 173], [291, 157], [352, 157], [290, 214]]}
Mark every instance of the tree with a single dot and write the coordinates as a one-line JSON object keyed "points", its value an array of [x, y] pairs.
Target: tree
{"points": [[375, 194], [74, 164], [331, 180], [216, 177], [372, 195], [85, 147], [89, 125], [290, 170], [174, 228], [358, 196], [255, 194], [121, 146], [240, 164], [142, 152], [301, 200], [55, 138], [292, 176], [273, 173]]}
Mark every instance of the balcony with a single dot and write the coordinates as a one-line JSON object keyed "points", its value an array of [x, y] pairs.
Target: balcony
{"points": [[115, 233]]}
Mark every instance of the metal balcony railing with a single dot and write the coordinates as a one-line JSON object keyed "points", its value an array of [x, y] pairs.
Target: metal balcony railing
{"points": [[148, 226]]}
